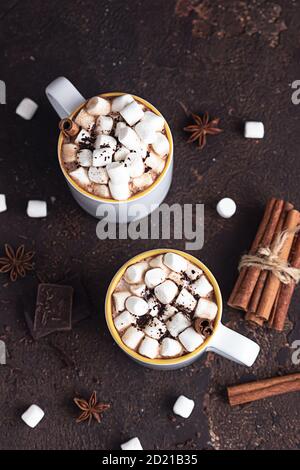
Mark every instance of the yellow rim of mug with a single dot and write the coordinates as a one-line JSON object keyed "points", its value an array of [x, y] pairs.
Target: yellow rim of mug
{"points": [[108, 307], [140, 194]]}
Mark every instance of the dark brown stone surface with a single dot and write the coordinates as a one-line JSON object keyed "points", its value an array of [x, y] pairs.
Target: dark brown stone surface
{"points": [[237, 63]]}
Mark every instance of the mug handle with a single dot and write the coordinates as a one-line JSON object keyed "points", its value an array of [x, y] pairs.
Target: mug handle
{"points": [[63, 96], [233, 346]]}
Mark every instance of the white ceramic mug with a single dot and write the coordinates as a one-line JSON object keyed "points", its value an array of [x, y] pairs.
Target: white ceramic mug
{"points": [[223, 341], [67, 101]]}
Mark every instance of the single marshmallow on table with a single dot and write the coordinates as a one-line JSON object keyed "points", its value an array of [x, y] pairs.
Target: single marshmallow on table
{"points": [[154, 122], [85, 157], [155, 329], [98, 175], [101, 190], [138, 289], [177, 323], [142, 182], [154, 276], [136, 305], [202, 287], [193, 272], [183, 406], [85, 120], [175, 262], [124, 320], [135, 273], [155, 162], [168, 312], [118, 172], [170, 347], [190, 339], [132, 113], [104, 124], [26, 109], [135, 165], [37, 209], [132, 337], [254, 130], [120, 102], [161, 144], [69, 152], [145, 133], [166, 291], [186, 300], [119, 300], [82, 136], [119, 126], [33, 416], [103, 156], [149, 347], [226, 207], [129, 138], [98, 105], [80, 176], [105, 141], [3, 206], [121, 154], [133, 444], [206, 309]]}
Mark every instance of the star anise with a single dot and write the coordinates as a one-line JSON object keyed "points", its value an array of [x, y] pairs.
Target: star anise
{"points": [[90, 409], [16, 263], [202, 128]]}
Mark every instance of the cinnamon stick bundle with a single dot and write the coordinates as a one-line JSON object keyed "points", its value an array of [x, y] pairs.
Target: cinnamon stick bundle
{"points": [[249, 392]]}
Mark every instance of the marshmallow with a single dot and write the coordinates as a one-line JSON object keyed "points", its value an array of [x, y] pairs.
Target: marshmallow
{"points": [[155, 162], [103, 156], [33, 416], [177, 323], [202, 287], [3, 206], [129, 138], [226, 207], [133, 444], [101, 190], [145, 133], [161, 144], [254, 130], [170, 348], [104, 124], [135, 273], [149, 347], [119, 126], [26, 109], [120, 102], [166, 292], [80, 176], [132, 113], [82, 137], [155, 329], [206, 309], [121, 154], [138, 289], [2, 353], [186, 300], [69, 153], [105, 141], [142, 182], [193, 272], [85, 157], [98, 175], [37, 209], [168, 312], [119, 300], [178, 278], [154, 276], [135, 165], [124, 320], [132, 337], [120, 192], [175, 262], [190, 339], [98, 105], [85, 120], [157, 262], [183, 406], [153, 306], [118, 173], [154, 122], [136, 305]]}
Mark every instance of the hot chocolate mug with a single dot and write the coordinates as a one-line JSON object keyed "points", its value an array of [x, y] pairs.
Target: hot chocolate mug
{"points": [[67, 101]]}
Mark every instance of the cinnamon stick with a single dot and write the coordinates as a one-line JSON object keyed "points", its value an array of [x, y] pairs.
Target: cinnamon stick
{"points": [[253, 391]]}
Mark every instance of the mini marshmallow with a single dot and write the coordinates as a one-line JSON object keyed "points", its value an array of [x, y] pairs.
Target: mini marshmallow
{"points": [[153, 306], [120, 102], [154, 122], [101, 190], [183, 406], [186, 300], [119, 126], [226, 207], [129, 138], [124, 320], [170, 348], [149, 347], [82, 137], [133, 444], [161, 144], [135, 165], [85, 120], [254, 130], [193, 272], [138, 289], [80, 176], [132, 337], [166, 292], [103, 156], [175, 262], [155, 328], [37, 209], [135, 273], [206, 309], [142, 182], [202, 286], [120, 299], [155, 162], [2, 353], [33, 416], [136, 305], [154, 276], [69, 153], [177, 323], [190, 339], [105, 141], [98, 175], [98, 105], [178, 278], [85, 157], [27, 109], [118, 172], [132, 113], [157, 262], [145, 133], [168, 312], [104, 124], [3, 206], [121, 154]]}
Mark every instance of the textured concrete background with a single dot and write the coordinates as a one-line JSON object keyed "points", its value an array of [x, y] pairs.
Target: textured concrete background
{"points": [[234, 59]]}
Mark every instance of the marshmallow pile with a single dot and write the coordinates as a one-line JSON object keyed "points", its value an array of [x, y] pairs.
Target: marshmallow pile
{"points": [[156, 304], [119, 149]]}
